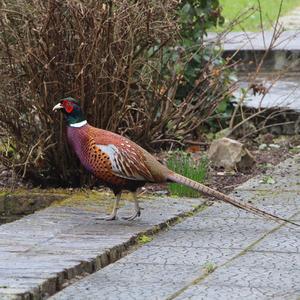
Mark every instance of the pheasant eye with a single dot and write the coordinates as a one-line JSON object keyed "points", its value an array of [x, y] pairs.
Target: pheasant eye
{"points": [[68, 106]]}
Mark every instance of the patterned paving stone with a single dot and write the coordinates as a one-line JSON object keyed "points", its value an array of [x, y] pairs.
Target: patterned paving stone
{"points": [[204, 292], [283, 240], [219, 233], [189, 256]]}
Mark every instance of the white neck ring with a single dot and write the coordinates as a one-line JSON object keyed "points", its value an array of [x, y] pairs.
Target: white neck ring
{"points": [[79, 124]]}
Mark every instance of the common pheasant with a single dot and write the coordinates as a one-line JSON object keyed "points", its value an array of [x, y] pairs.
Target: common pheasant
{"points": [[123, 165]]}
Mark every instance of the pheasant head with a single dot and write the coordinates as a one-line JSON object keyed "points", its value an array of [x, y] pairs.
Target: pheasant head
{"points": [[71, 110]]}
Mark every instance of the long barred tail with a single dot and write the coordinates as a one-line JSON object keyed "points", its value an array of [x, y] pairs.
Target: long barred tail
{"points": [[210, 192]]}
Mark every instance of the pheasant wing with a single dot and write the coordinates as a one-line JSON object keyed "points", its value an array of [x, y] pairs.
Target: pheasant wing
{"points": [[127, 161]]}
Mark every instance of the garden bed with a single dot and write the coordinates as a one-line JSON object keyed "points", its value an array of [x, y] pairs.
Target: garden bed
{"points": [[16, 204]]}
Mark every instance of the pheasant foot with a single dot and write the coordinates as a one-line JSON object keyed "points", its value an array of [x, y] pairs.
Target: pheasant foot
{"points": [[113, 215], [137, 209]]}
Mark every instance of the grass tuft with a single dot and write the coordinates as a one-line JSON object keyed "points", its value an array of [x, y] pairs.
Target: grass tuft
{"points": [[183, 163], [144, 239], [209, 267]]}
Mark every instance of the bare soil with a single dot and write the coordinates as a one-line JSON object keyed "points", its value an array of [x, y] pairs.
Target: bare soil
{"points": [[265, 158]]}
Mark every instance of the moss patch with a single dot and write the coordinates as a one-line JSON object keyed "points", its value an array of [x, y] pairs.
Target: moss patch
{"points": [[144, 239], [17, 203]]}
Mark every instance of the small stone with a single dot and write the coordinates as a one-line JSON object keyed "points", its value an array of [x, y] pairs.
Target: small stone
{"points": [[262, 147], [274, 146], [230, 155], [221, 173]]}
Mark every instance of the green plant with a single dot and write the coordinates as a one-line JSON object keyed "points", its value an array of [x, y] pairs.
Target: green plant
{"points": [[183, 163], [268, 180], [205, 76], [209, 267], [264, 166], [196, 16], [194, 77], [144, 239], [295, 150]]}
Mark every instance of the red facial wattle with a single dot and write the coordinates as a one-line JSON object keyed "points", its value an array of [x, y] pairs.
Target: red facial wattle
{"points": [[68, 106]]}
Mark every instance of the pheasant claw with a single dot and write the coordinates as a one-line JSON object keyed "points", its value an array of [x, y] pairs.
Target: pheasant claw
{"points": [[137, 209], [108, 218], [136, 214]]}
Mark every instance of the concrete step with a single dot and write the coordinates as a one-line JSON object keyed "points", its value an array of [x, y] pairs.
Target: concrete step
{"points": [[276, 111], [250, 47], [283, 93]]}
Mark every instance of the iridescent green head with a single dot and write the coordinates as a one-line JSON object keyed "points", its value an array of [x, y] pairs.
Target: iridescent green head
{"points": [[71, 110]]}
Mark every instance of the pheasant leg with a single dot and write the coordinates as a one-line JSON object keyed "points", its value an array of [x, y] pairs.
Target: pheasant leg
{"points": [[137, 209], [113, 215]]}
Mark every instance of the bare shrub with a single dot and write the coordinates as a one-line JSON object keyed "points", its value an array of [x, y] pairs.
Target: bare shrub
{"points": [[112, 55]]}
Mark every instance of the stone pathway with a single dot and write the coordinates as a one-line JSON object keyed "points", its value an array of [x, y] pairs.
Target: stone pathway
{"points": [[41, 253], [219, 253], [258, 41]]}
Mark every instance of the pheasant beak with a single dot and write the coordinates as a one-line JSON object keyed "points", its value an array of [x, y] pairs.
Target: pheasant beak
{"points": [[57, 106]]}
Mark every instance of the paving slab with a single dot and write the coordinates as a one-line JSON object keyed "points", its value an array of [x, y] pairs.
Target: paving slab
{"points": [[284, 93], [219, 253], [204, 292], [287, 41], [40, 253], [249, 48]]}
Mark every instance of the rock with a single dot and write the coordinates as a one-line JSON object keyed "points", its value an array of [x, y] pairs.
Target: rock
{"points": [[262, 147], [230, 155], [274, 146]]}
